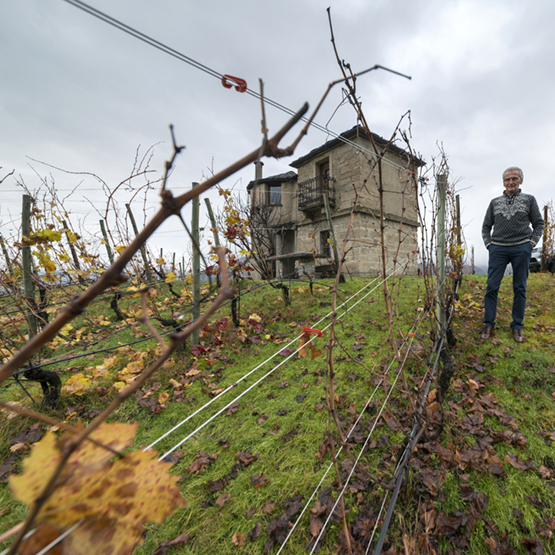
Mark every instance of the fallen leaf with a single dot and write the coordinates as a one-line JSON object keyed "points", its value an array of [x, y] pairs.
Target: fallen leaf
{"points": [[202, 462], [223, 499], [246, 458], [268, 507], [259, 481], [255, 532], [163, 547], [238, 539], [19, 447], [234, 407], [262, 418]]}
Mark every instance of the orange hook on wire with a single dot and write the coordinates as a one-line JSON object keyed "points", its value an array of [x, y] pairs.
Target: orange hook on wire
{"points": [[229, 81], [308, 331]]}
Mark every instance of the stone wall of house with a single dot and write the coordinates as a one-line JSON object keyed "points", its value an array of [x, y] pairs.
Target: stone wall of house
{"points": [[364, 256]]}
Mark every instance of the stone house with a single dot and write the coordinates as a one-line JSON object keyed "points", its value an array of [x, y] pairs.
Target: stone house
{"points": [[298, 218]]}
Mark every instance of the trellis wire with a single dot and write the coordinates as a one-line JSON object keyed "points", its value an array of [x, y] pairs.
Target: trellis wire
{"points": [[403, 461], [365, 443], [260, 365], [339, 451], [262, 378]]}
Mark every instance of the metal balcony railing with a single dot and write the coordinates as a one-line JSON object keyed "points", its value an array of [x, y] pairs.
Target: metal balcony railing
{"points": [[311, 192]]}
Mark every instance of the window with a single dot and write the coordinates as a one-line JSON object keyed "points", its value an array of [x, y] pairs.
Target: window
{"points": [[274, 194], [324, 170], [325, 243]]}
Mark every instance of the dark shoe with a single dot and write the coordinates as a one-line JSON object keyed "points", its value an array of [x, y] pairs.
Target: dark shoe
{"points": [[486, 333], [517, 335]]}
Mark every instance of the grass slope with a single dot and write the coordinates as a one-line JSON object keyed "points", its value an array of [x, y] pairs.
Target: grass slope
{"points": [[252, 464]]}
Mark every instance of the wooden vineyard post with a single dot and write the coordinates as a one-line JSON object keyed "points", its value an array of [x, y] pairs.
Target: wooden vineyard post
{"points": [[6, 255], [332, 230], [544, 240], [26, 259], [212, 221], [105, 236], [142, 249], [196, 264], [440, 255]]}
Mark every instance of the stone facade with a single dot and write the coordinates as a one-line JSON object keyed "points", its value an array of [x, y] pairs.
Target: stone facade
{"points": [[341, 169]]}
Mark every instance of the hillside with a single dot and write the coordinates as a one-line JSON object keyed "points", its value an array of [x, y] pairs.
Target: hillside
{"points": [[258, 437]]}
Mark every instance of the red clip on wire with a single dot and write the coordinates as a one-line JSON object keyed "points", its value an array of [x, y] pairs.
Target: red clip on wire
{"points": [[229, 81], [311, 330]]}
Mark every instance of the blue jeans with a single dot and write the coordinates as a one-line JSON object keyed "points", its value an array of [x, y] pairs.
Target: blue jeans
{"points": [[499, 258]]}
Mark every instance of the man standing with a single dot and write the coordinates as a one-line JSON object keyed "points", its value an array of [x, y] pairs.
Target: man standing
{"points": [[511, 241]]}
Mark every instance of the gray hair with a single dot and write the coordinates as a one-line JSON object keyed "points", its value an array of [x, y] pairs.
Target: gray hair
{"points": [[514, 168]]}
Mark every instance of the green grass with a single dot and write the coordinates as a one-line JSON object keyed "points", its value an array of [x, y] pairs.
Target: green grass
{"points": [[287, 455]]}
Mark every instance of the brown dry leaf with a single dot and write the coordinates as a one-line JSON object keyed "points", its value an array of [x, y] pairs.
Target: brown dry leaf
{"points": [[202, 462], [516, 462], [19, 447], [255, 532], [238, 539], [223, 499], [234, 407], [304, 345], [315, 353], [545, 473], [259, 481], [268, 507], [246, 458], [163, 547], [115, 499], [163, 397], [262, 418]]}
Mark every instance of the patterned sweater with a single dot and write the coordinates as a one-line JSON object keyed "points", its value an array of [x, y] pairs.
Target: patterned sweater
{"points": [[510, 218]]}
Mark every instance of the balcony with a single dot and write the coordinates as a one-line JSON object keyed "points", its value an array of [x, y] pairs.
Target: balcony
{"points": [[311, 193]]}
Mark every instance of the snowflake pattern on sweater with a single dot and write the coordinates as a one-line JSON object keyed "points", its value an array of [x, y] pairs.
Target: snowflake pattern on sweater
{"points": [[511, 218]]}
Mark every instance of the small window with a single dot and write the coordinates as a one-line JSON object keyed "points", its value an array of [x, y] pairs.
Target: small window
{"points": [[324, 170], [274, 195], [325, 243]]}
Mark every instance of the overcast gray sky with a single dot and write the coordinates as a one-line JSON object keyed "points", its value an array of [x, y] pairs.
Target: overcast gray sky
{"points": [[81, 95]]}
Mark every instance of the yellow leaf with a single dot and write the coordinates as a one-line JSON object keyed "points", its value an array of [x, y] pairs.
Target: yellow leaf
{"points": [[163, 397], [170, 277], [132, 368], [77, 384], [115, 499], [119, 248]]}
